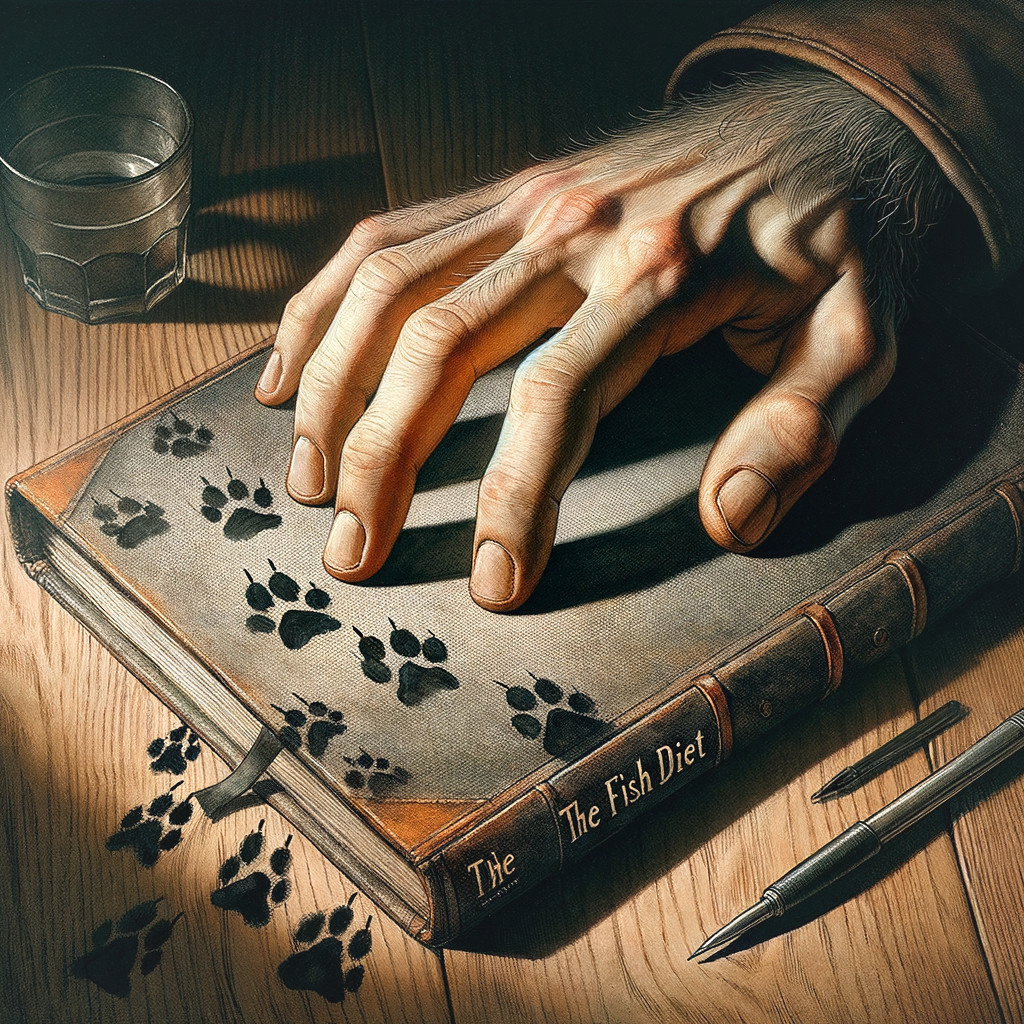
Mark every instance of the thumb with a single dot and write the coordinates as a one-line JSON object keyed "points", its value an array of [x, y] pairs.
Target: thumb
{"points": [[832, 365]]}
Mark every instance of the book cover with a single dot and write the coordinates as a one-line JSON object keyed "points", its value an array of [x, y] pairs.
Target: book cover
{"points": [[447, 757]]}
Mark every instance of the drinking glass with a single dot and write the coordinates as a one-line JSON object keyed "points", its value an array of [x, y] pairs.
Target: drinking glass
{"points": [[96, 175]]}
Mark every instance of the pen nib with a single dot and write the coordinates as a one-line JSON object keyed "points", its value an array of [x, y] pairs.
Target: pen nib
{"points": [[844, 782], [760, 912]]}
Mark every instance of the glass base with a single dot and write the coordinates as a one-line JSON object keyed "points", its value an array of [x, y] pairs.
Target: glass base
{"points": [[115, 286]]}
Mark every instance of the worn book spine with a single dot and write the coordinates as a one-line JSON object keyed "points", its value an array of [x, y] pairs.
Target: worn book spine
{"points": [[478, 865]]}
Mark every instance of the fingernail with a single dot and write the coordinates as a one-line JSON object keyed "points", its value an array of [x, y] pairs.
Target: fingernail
{"points": [[494, 573], [271, 375], [307, 470], [345, 543], [748, 502]]}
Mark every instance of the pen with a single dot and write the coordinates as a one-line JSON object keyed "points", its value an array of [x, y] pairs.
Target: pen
{"points": [[863, 840], [892, 752]]}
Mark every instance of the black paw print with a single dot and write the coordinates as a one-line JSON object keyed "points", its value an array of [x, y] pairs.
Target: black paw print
{"points": [[143, 830], [181, 439], [297, 626], [112, 959], [169, 753], [245, 522], [322, 724], [130, 521], [321, 967], [375, 774], [256, 894], [415, 682], [565, 728]]}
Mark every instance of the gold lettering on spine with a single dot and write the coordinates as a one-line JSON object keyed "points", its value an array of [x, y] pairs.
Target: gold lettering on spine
{"points": [[712, 689], [826, 626], [1010, 492], [904, 561]]}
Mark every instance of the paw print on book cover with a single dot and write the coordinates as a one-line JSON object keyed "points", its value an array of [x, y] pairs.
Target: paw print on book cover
{"points": [[321, 966], [244, 522], [564, 728], [376, 775], [297, 625], [416, 682], [321, 723], [111, 961], [169, 753], [145, 831], [255, 894], [180, 438], [130, 520]]}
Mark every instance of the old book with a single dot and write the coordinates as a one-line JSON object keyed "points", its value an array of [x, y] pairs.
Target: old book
{"points": [[444, 757]]}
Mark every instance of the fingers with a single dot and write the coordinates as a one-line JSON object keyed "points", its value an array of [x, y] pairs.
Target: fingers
{"points": [[346, 367], [784, 439], [559, 394], [309, 313], [440, 352]]}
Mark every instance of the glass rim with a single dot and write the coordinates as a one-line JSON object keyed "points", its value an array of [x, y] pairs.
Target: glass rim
{"points": [[97, 187]]}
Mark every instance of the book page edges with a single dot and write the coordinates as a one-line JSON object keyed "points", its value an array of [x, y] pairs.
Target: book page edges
{"points": [[940, 562]]}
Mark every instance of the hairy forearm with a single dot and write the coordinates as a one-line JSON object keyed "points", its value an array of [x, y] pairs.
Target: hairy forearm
{"points": [[818, 140]]}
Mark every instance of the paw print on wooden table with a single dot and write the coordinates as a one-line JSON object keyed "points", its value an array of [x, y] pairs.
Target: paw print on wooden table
{"points": [[115, 953], [323, 963], [254, 892], [171, 752], [145, 832]]}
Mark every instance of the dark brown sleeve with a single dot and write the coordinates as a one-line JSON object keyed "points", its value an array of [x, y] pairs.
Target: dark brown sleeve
{"points": [[952, 72]]}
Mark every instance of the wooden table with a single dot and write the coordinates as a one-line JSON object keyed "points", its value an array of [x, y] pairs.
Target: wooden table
{"points": [[308, 117]]}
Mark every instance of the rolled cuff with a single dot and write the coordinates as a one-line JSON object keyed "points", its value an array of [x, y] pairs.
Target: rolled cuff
{"points": [[875, 64]]}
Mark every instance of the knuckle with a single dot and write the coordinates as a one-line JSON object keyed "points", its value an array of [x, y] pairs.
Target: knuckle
{"points": [[301, 311], [510, 488], [432, 333], [369, 235], [532, 188], [778, 242], [656, 251], [321, 377], [385, 273], [369, 449], [803, 431], [862, 355], [553, 382], [573, 211]]}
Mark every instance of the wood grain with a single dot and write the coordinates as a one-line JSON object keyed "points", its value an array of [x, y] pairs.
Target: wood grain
{"points": [[464, 91], [292, 147], [285, 161], [977, 656]]}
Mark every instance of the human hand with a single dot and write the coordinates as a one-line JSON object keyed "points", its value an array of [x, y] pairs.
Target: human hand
{"points": [[632, 250]]}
